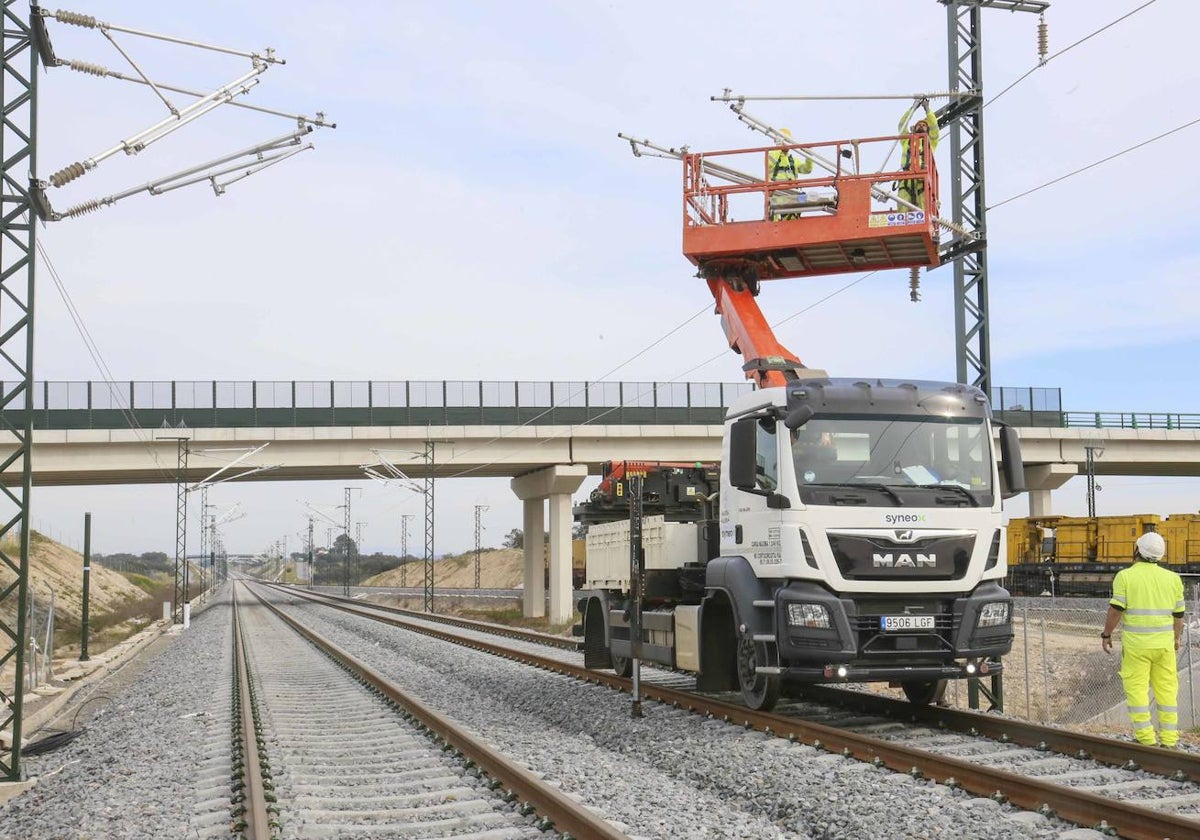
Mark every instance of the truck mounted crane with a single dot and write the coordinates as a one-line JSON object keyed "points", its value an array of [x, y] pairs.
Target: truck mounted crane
{"points": [[852, 531]]}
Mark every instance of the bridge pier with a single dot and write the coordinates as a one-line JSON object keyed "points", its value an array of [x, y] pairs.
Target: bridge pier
{"points": [[555, 484], [1041, 479]]}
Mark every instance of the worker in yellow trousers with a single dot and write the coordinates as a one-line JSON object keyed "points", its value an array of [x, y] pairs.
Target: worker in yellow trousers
{"points": [[912, 191], [1148, 599]]}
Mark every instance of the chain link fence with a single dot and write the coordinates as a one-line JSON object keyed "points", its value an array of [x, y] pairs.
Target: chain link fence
{"points": [[1057, 672]]}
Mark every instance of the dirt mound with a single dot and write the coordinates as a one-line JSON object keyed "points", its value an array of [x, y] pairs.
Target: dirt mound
{"points": [[55, 567], [499, 568]]}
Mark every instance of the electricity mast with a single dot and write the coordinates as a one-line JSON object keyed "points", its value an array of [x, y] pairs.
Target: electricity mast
{"points": [[964, 116], [24, 196]]}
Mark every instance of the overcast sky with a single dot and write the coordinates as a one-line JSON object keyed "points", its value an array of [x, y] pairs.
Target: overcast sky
{"points": [[474, 216]]}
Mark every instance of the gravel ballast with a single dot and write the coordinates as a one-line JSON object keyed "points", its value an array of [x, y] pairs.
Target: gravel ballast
{"points": [[136, 771], [147, 767]]}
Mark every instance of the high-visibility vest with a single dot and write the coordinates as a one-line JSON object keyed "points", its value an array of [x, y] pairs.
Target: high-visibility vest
{"points": [[1150, 598], [934, 134], [782, 166]]}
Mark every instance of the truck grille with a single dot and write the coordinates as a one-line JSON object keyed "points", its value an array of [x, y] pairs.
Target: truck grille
{"points": [[878, 557]]}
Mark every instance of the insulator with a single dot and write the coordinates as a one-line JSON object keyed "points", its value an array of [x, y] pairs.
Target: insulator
{"points": [[914, 284], [75, 19], [88, 68], [67, 174], [1043, 37], [83, 209]]}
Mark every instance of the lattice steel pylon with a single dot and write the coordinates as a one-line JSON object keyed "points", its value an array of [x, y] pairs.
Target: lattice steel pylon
{"points": [[18, 109], [203, 537], [964, 116], [478, 532], [404, 517], [179, 593], [346, 547], [428, 604]]}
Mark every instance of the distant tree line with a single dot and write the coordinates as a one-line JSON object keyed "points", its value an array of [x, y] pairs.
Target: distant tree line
{"points": [[516, 537], [329, 567], [146, 563]]}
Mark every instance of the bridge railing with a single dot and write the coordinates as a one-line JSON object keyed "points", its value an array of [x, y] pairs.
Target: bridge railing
{"points": [[1131, 420], [224, 404], [1031, 407], [208, 404]]}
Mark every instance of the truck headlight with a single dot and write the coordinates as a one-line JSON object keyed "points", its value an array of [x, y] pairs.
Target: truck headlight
{"points": [[994, 614], [808, 615]]}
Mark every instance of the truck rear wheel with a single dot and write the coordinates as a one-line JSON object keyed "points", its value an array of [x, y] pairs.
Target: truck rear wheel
{"points": [[922, 693], [761, 691]]}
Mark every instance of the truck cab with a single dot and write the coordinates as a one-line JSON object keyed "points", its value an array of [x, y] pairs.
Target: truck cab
{"points": [[861, 537], [858, 538]]}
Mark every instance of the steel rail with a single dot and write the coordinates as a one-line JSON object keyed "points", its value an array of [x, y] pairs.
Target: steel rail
{"points": [[1174, 764], [565, 815], [258, 820], [1085, 809], [454, 621]]}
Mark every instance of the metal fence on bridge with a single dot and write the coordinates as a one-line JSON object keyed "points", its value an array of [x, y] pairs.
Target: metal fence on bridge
{"points": [[207, 404]]}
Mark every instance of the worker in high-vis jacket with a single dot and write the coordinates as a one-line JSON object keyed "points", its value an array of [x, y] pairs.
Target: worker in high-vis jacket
{"points": [[912, 190], [785, 165], [1148, 601]]}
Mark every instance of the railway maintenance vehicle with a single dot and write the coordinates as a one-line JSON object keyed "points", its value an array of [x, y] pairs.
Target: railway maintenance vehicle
{"points": [[852, 530]]}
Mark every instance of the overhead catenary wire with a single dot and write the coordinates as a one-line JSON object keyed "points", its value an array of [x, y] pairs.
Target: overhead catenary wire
{"points": [[587, 384], [1046, 61], [1094, 164], [93, 350], [728, 96], [609, 411]]}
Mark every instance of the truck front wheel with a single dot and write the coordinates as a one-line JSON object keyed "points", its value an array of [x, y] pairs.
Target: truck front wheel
{"points": [[761, 691], [923, 692]]}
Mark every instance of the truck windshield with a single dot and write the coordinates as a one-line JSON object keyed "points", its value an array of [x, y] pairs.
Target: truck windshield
{"points": [[950, 458]]}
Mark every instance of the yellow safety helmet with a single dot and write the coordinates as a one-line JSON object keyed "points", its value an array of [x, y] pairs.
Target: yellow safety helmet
{"points": [[786, 132]]}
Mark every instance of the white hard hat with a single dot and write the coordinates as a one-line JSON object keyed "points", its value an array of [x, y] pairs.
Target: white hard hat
{"points": [[1151, 546]]}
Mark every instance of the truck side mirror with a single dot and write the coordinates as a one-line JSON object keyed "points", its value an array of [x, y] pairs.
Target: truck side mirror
{"points": [[798, 416], [1010, 457], [743, 447]]}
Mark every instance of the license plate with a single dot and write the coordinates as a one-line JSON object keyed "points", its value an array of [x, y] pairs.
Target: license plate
{"points": [[905, 622]]}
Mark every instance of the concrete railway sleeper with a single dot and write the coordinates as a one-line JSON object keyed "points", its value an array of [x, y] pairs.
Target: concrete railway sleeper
{"points": [[254, 810], [1117, 786], [353, 755]]}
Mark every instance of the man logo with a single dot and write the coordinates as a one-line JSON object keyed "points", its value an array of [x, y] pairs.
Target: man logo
{"points": [[904, 536], [904, 561]]}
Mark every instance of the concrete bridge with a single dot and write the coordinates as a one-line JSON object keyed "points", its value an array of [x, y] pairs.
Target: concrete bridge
{"points": [[545, 437]]}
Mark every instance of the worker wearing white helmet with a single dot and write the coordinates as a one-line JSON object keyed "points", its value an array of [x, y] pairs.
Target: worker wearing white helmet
{"points": [[786, 165], [1148, 600]]}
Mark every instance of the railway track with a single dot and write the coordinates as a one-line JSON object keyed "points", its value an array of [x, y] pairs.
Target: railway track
{"points": [[328, 747], [1116, 786]]}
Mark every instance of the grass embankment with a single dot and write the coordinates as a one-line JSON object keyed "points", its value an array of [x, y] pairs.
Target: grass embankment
{"points": [[513, 617]]}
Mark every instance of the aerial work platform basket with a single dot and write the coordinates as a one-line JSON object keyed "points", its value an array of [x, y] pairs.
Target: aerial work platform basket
{"points": [[740, 223]]}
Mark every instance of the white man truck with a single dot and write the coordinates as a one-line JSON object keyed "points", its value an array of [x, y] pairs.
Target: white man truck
{"points": [[855, 536], [854, 533]]}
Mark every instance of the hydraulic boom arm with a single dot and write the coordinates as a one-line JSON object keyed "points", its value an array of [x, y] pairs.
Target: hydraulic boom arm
{"points": [[768, 363]]}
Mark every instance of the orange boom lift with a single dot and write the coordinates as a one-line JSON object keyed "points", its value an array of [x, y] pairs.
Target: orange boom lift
{"points": [[828, 224]]}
